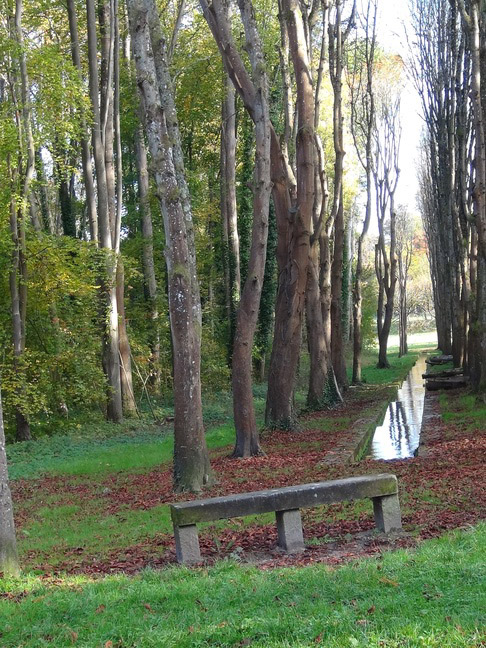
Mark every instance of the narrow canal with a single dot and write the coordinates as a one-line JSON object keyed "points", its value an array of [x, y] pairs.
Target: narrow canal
{"points": [[399, 434]]}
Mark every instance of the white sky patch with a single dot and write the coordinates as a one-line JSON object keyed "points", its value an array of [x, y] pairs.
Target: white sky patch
{"points": [[393, 23]]}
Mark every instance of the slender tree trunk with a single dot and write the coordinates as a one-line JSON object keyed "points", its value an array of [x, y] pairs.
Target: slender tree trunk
{"points": [[18, 218], [228, 134], [292, 246], [9, 563], [336, 42], [247, 441], [84, 142], [111, 362], [337, 333], [126, 379], [17, 295], [148, 264], [191, 460]]}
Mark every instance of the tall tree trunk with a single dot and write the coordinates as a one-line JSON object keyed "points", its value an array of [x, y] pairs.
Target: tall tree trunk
{"points": [[191, 460], [148, 264], [337, 39], [292, 246], [9, 563], [18, 277], [247, 440], [84, 141], [228, 193], [111, 362], [126, 379], [18, 221]]}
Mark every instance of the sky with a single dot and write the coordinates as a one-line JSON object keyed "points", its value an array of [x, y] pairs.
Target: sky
{"points": [[392, 22]]}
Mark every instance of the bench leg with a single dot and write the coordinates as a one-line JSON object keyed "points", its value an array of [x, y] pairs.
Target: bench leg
{"points": [[187, 544], [289, 528], [387, 513]]}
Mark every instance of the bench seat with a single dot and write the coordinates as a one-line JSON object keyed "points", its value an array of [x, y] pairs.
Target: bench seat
{"points": [[286, 503]]}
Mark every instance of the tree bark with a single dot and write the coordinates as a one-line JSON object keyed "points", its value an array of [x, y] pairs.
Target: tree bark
{"points": [[126, 379], [9, 563], [148, 264], [111, 362], [18, 217], [247, 438], [191, 460], [84, 142], [292, 245]]}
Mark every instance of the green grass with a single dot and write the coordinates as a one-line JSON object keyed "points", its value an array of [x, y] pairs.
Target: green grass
{"points": [[467, 410], [431, 598], [96, 448], [396, 373]]}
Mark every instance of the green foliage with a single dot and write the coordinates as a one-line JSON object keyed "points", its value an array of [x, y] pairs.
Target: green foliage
{"points": [[61, 365], [369, 293]]}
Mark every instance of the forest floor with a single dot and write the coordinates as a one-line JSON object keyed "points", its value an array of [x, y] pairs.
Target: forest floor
{"points": [[87, 509], [103, 508]]}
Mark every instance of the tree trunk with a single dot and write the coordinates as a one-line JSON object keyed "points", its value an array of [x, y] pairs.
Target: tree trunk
{"points": [[228, 134], [336, 42], [191, 460], [247, 440], [148, 264], [111, 362], [126, 379], [292, 246], [18, 218], [85, 147], [9, 563]]}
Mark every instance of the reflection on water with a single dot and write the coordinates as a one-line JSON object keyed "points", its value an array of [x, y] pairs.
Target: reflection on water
{"points": [[398, 436]]}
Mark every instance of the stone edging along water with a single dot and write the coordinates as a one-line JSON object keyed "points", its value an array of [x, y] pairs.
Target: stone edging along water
{"points": [[430, 416]]}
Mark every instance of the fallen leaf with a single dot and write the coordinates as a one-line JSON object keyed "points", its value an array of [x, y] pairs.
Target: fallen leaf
{"points": [[389, 581], [371, 609], [100, 608], [109, 644], [318, 639], [74, 636], [147, 607], [362, 622]]}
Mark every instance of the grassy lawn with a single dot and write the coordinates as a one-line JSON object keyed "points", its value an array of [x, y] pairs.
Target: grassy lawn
{"points": [[108, 491], [432, 597], [93, 521], [97, 448]]}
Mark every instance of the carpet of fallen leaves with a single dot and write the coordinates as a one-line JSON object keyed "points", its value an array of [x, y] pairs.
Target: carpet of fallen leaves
{"points": [[444, 488]]}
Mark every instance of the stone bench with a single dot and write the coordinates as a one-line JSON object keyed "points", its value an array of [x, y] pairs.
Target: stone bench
{"points": [[286, 503]]}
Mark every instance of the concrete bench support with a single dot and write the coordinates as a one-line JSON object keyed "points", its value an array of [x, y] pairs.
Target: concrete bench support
{"points": [[286, 503], [387, 513], [289, 529], [187, 544]]}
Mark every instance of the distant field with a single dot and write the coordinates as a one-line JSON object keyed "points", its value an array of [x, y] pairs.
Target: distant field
{"points": [[427, 338]]}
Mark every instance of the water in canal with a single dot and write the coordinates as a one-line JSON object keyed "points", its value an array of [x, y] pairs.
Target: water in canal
{"points": [[398, 436]]}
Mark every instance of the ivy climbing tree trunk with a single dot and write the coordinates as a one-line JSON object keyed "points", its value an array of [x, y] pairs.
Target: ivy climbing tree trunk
{"points": [[191, 460]]}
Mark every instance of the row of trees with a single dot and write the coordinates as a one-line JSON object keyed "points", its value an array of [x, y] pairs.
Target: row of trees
{"points": [[115, 146], [450, 74]]}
